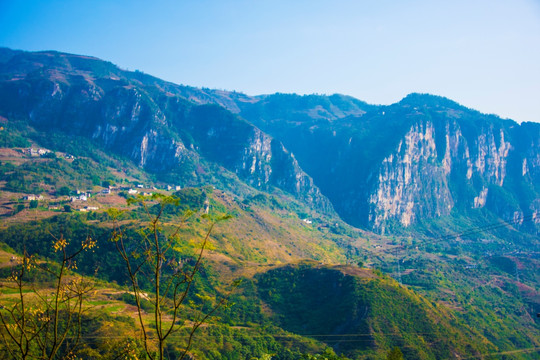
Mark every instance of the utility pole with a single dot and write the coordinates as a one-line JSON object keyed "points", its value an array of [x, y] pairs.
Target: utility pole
{"points": [[398, 267]]}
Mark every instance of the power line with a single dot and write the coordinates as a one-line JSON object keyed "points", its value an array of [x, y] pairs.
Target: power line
{"points": [[510, 352], [477, 229], [259, 336], [348, 338], [466, 232]]}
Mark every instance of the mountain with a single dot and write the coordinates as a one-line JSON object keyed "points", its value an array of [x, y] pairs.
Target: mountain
{"points": [[422, 158], [145, 119]]}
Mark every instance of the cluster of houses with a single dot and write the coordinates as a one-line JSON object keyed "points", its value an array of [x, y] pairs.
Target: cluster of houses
{"points": [[168, 187], [37, 152], [89, 208], [33, 152], [130, 191], [81, 196], [33, 197], [84, 196]]}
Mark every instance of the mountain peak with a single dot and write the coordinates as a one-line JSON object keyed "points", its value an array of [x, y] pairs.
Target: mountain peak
{"points": [[429, 100]]}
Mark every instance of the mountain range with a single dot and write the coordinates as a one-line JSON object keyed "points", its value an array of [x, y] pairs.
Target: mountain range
{"points": [[415, 224], [378, 167]]}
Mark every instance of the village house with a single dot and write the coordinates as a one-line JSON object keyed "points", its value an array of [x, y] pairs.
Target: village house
{"points": [[33, 197], [80, 197], [37, 152]]}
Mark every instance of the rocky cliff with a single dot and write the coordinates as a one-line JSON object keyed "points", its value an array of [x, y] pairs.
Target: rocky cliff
{"points": [[422, 158]]}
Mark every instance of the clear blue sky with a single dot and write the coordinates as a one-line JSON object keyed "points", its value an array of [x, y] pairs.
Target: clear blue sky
{"points": [[484, 54]]}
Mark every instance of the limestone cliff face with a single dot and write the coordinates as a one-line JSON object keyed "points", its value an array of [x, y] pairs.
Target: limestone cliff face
{"points": [[123, 119], [253, 155], [289, 176], [411, 182], [530, 142], [256, 161], [492, 158], [421, 177], [265, 162]]}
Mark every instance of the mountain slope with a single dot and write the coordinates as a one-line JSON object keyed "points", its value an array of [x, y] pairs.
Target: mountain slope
{"points": [[142, 118], [357, 312]]}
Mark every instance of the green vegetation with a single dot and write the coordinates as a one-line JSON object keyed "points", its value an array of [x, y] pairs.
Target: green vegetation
{"points": [[456, 283], [12, 135], [359, 314], [286, 305]]}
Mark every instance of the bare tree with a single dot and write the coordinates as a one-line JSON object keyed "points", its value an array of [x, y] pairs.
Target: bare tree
{"points": [[151, 260], [40, 323]]}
